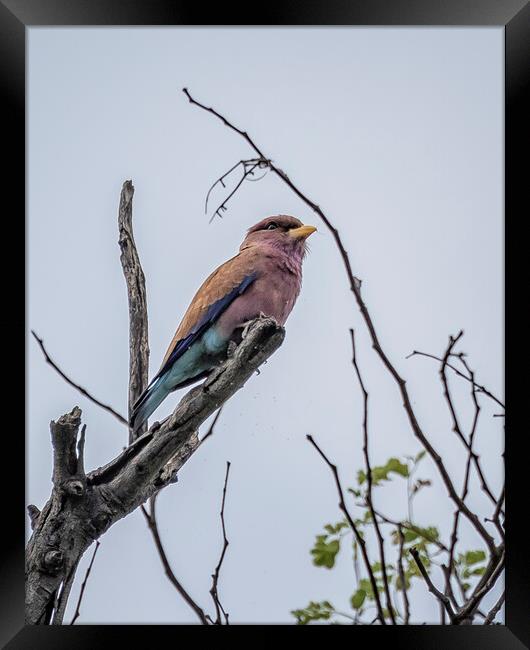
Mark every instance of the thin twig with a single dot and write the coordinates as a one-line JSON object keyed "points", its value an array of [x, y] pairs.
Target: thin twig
{"points": [[256, 162], [83, 586], [481, 389], [487, 582], [479, 471], [408, 526], [153, 526], [212, 426], [456, 425], [215, 577], [495, 610], [62, 596], [498, 511], [370, 480], [401, 571], [356, 290], [465, 487], [223, 207], [436, 592], [360, 540], [82, 390]]}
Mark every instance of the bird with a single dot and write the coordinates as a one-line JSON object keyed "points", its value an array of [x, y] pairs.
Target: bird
{"points": [[263, 279]]}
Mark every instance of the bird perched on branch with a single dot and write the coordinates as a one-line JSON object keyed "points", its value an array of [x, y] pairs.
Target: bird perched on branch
{"points": [[264, 278]]}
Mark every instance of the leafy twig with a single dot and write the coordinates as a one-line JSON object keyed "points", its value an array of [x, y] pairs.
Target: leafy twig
{"points": [[358, 537], [436, 592]]}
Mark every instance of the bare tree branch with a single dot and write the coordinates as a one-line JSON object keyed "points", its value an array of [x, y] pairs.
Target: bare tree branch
{"points": [[355, 287], [246, 173], [82, 390], [153, 525], [495, 609], [83, 586], [81, 508], [436, 592], [215, 577], [456, 425], [481, 389], [401, 571], [358, 537], [212, 426], [487, 582], [370, 481], [135, 280]]}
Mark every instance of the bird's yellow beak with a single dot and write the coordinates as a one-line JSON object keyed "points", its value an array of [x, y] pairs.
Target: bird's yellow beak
{"points": [[301, 232]]}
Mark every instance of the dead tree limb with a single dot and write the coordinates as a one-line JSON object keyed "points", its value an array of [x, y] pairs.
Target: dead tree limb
{"points": [[83, 507], [138, 324]]}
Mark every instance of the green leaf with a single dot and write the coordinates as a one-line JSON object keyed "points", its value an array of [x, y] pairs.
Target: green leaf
{"points": [[366, 586], [333, 529], [473, 557], [313, 612], [324, 553], [420, 455], [478, 571], [410, 535], [399, 586], [379, 474], [395, 465], [358, 598]]}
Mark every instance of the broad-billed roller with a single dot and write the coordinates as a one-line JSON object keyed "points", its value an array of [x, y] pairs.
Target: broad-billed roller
{"points": [[264, 278]]}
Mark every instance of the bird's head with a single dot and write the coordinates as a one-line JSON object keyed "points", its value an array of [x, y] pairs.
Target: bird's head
{"points": [[282, 232]]}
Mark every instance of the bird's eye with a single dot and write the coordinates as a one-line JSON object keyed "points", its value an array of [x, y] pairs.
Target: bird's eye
{"points": [[272, 226]]}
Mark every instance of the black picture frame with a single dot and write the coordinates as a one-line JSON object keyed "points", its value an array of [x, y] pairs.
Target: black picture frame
{"points": [[15, 17]]}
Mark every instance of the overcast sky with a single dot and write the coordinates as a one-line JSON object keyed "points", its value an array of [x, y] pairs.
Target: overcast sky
{"points": [[398, 135]]}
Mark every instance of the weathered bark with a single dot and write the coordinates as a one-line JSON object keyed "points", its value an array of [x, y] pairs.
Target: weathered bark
{"points": [[137, 297], [84, 506]]}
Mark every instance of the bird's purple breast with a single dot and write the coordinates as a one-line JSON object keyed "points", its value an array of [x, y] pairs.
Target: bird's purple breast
{"points": [[273, 293]]}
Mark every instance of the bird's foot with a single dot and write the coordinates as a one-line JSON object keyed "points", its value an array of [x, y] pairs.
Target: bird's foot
{"points": [[248, 323]]}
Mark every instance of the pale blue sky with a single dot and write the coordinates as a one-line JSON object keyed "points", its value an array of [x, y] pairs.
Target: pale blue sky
{"points": [[398, 135]]}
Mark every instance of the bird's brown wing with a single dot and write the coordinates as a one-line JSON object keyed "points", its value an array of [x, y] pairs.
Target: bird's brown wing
{"points": [[214, 295]]}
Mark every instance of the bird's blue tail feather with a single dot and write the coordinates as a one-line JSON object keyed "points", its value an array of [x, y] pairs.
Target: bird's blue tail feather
{"points": [[148, 402]]}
